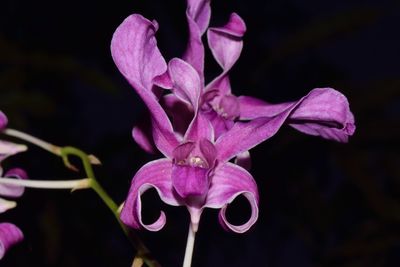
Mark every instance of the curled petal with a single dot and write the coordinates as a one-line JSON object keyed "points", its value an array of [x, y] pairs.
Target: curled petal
{"points": [[143, 139], [244, 160], [13, 190], [226, 45], [3, 120], [142, 134], [324, 112], [134, 50], [186, 81], [228, 182], [9, 149], [6, 205], [9, 236], [198, 14], [155, 174], [226, 42], [199, 11]]}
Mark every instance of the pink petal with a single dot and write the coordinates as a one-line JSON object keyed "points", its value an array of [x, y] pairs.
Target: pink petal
{"points": [[226, 42], [186, 81], [10, 235], [12, 190], [251, 108], [6, 205], [199, 128], [182, 152], [190, 181], [244, 160], [155, 174], [226, 45], [325, 107], [220, 124], [142, 134], [246, 135], [3, 121], [8, 149], [134, 50], [221, 84], [228, 182], [324, 112], [198, 14], [208, 151]]}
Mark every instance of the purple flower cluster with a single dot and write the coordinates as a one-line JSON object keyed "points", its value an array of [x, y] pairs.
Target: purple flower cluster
{"points": [[203, 130], [10, 234]]}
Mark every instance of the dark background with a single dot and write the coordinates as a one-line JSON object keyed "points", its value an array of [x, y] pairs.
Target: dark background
{"points": [[322, 203]]}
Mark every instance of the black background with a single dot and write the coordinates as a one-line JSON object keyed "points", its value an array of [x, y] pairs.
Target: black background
{"points": [[322, 203]]}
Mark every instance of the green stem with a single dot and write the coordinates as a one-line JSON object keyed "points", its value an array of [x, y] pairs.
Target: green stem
{"points": [[88, 160], [143, 251]]}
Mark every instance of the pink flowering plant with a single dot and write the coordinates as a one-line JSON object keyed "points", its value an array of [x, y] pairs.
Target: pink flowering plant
{"points": [[203, 131]]}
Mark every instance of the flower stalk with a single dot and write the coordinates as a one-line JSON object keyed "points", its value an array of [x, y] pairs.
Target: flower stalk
{"points": [[187, 262], [143, 252], [59, 184]]}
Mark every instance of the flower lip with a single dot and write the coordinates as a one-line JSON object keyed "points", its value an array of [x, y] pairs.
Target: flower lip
{"points": [[192, 166]]}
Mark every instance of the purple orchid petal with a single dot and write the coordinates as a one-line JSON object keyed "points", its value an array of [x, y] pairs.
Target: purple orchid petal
{"points": [[230, 107], [244, 160], [155, 174], [226, 45], [9, 236], [13, 190], [228, 182], [252, 108], [199, 128], [182, 152], [3, 121], [220, 124], [226, 42], [143, 139], [208, 151], [142, 134], [323, 112], [198, 14], [190, 181], [186, 81], [190, 172], [8, 149], [163, 81], [325, 106], [134, 50]]}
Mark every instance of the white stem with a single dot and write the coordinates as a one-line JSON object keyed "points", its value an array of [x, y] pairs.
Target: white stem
{"points": [[43, 144], [187, 262], [66, 184], [31, 139]]}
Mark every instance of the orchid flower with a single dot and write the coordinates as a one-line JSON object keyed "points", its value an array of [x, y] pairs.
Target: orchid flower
{"points": [[134, 50], [323, 112], [192, 174], [10, 234], [196, 171]]}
